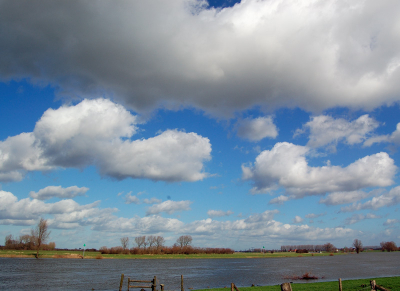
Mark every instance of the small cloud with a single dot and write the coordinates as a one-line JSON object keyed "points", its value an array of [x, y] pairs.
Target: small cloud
{"points": [[344, 197], [312, 215], [297, 219], [59, 192], [390, 222], [169, 207], [256, 129], [327, 131], [152, 201], [218, 213], [129, 199], [359, 217], [279, 200], [222, 186]]}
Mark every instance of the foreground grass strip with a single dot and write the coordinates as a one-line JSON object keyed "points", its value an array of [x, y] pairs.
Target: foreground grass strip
{"points": [[392, 283]]}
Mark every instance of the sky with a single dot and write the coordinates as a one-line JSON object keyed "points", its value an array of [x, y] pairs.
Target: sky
{"points": [[245, 124]]}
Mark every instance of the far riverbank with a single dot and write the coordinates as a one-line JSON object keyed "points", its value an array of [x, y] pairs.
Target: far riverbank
{"points": [[62, 254]]}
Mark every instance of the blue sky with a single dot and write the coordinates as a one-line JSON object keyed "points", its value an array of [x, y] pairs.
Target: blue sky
{"points": [[243, 124]]}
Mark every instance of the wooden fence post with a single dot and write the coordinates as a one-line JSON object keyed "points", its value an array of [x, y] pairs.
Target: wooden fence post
{"points": [[232, 286], [129, 279], [154, 285], [162, 287], [182, 283], [340, 285], [122, 281], [286, 287]]}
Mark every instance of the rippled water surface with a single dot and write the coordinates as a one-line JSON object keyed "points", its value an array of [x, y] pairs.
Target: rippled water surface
{"points": [[77, 274]]}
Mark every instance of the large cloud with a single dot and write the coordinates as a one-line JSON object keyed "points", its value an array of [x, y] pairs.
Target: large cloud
{"points": [[309, 53], [97, 132], [286, 166]]}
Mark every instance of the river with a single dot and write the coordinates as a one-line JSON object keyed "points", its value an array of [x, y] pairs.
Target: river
{"points": [[77, 274]]}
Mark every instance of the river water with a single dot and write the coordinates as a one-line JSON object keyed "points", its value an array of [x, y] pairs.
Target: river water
{"points": [[78, 274]]}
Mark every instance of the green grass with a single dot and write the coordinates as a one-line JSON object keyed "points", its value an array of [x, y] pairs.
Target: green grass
{"points": [[93, 255], [391, 283], [46, 254]]}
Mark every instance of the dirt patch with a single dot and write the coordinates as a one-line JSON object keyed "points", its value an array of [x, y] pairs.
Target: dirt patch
{"points": [[68, 256]]}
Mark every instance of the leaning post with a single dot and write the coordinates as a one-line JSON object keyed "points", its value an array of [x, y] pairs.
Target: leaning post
{"points": [[286, 287], [121, 282], [373, 285]]}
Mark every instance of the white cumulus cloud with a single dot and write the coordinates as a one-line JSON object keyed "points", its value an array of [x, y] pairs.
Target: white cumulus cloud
{"points": [[286, 166], [98, 132]]}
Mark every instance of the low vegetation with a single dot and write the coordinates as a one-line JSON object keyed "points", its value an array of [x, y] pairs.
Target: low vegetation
{"points": [[391, 283]]}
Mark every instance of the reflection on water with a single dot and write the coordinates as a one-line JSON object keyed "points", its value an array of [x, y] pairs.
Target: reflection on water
{"points": [[76, 274]]}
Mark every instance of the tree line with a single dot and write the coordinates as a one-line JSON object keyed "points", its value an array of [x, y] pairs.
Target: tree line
{"points": [[155, 245], [328, 247], [35, 241]]}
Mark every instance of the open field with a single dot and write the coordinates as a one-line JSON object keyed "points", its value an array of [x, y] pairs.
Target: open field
{"points": [[391, 283], [98, 255]]}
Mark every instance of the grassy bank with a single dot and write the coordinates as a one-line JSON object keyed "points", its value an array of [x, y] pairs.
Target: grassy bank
{"points": [[98, 255], [391, 283]]}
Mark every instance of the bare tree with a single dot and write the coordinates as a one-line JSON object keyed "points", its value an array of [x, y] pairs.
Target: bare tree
{"points": [[159, 242], [329, 247], [184, 240], [389, 246], [151, 241], [357, 245], [40, 234], [125, 242], [140, 241]]}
